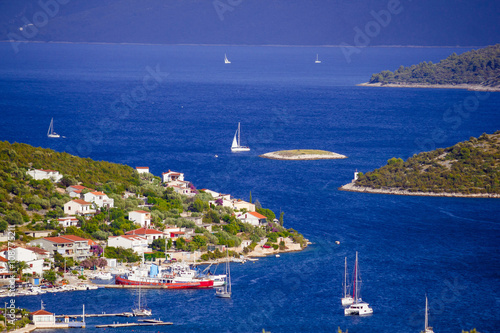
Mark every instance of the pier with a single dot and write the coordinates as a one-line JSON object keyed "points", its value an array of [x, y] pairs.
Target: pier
{"points": [[121, 314], [143, 323]]}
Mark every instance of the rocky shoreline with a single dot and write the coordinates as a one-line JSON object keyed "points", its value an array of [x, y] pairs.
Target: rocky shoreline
{"points": [[473, 87], [302, 157], [351, 187]]}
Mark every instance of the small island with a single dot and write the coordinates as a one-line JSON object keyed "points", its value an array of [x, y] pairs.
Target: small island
{"points": [[302, 154], [474, 70], [467, 169]]}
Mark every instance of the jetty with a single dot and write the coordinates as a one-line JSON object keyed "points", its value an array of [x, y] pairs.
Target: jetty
{"points": [[146, 322], [121, 314]]}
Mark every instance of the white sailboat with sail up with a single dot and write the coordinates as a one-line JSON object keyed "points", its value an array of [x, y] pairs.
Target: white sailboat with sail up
{"points": [[236, 146], [225, 290], [140, 310], [317, 60], [226, 60], [347, 299], [359, 307], [50, 132], [427, 329]]}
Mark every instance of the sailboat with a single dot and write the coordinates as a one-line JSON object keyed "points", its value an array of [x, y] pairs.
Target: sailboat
{"points": [[347, 299], [359, 307], [235, 147], [50, 132], [225, 290], [140, 310], [317, 60], [427, 329], [226, 60]]}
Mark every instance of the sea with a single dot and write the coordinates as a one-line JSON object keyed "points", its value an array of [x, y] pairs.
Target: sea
{"points": [[177, 107]]}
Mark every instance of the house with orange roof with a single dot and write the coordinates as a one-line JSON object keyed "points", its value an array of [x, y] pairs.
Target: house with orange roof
{"points": [[77, 191], [100, 199], [42, 318], [138, 244], [140, 217], [253, 218], [40, 174], [35, 262], [171, 176], [66, 245], [142, 169], [68, 221], [78, 206], [149, 234]]}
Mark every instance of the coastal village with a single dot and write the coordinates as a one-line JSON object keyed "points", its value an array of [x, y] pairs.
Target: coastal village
{"points": [[64, 260]]}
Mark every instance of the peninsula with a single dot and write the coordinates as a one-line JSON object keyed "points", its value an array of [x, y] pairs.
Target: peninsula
{"points": [[474, 70], [302, 154], [467, 169]]}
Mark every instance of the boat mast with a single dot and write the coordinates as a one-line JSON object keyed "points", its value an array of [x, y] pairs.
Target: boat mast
{"points": [[426, 319], [228, 288], [239, 135], [356, 279], [345, 277]]}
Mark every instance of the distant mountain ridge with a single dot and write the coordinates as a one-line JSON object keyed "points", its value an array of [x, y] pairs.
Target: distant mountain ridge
{"points": [[255, 22]]}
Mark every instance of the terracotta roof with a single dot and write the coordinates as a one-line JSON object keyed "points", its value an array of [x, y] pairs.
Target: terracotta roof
{"points": [[41, 313], [58, 240], [143, 231], [257, 215], [78, 187], [2, 259], [67, 218], [142, 167], [133, 237], [48, 170], [98, 193], [81, 202], [177, 232], [141, 211], [37, 250], [73, 238]]}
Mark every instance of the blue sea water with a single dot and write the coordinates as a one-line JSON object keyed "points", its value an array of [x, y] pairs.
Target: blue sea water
{"points": [[176, 107]]}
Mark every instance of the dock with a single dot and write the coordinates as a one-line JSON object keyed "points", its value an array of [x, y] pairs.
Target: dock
{"points": [[121, 314], [152, 323]]}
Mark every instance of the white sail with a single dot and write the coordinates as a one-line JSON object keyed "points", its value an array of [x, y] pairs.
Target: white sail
{"points": [[226, 61], [235, 140], [50, 132], [236, 146], [317, 59]]}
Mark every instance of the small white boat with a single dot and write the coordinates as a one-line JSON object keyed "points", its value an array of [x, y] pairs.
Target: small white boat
{"points": [[236, 146], [427, 329], [50, 132], [277, 256], [140, 310], [317, 60], [226, 61], [225, 290], [252, 259], [359, 307], [347, 299]]}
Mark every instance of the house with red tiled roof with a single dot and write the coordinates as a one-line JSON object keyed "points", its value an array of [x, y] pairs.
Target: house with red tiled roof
{"points": [[253, 218], [140, 217], [149, 234], [35, 262], [100, 199], [69, 221], [171, 176], [42, 318], [138, 244], [78, 206], [142, 169], [67, 245], [75, 191], [40, 174]]}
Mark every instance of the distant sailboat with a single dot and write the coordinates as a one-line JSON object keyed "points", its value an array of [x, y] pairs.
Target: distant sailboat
{"points": [[236, 147], [347, 299], [226, 60], [50, 132], [359, 307], [317, 60], [225, 290], [141, 310], [427, 328]]}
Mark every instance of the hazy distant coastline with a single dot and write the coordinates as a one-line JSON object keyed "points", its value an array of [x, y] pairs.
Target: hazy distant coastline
{"points": [[474, 87]]}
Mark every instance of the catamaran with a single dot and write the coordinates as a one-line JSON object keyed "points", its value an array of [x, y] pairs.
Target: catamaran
{"points": [[226, 60], [50, 132], [317, 60], [347, 299], [427, 329], [225, 290], [359, 307], [236, 147]]}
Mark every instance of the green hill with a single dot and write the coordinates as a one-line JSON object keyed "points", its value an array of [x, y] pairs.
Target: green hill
{"points": [[477, 67], [469, 167]]}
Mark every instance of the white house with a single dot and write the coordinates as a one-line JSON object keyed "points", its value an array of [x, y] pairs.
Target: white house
{"points": [[43, 318], [78, 206], [238, 204], [253, 218], [75, 191], [99, 198], [149, 234], [182, 187], [69, 221], [36, 264], [142, 169], [172, 176], [140, 217], [138, 244], [40, 174]]}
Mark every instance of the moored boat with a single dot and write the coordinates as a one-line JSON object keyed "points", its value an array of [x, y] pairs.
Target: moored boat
{"points": [[359, 307]]}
